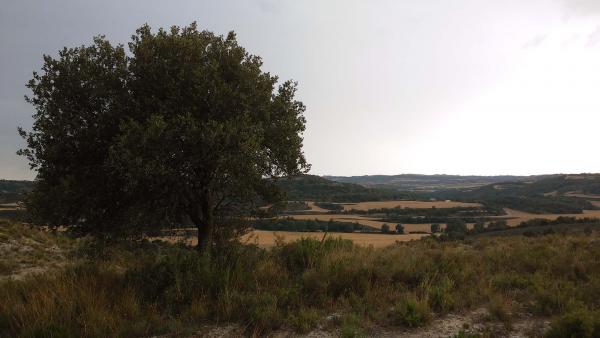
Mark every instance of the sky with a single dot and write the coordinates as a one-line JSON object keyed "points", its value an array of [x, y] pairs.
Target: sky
{"points": [[431, 86]]}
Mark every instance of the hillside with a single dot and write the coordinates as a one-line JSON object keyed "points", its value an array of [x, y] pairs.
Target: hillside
{"points": [[414, 182], [310, 187], [553, 194], [12, 191]]}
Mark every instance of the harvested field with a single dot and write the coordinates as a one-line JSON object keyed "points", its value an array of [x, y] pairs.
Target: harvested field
{"points": [[407, 204], [267, 239]]}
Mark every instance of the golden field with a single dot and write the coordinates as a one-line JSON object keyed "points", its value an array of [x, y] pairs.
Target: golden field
{"points": [[407, 204]]}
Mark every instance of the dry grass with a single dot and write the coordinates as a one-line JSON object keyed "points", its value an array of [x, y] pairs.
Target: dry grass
{"points": [[150, 289], [269, 239], [407, 204], [25, 250]]}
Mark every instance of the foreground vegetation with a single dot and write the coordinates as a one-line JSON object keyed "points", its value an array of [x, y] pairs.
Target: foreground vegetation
{"points": [[143, 288]]}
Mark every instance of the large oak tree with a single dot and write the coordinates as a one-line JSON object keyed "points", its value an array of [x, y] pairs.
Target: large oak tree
{"points": [[184, 126]]}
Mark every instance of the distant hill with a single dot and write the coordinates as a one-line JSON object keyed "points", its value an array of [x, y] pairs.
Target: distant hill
{"points": [[541, 194], [315, 188], [12, 191], [415, 182]]}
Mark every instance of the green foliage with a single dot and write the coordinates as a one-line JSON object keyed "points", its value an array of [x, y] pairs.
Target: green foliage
{"points": [[330, 206], [13, 191], [301, 225], [435, 228], [580, 323], [385, 228], [440, 295], [479, 227], [152, 289], [399, 229], [411, 312], [186, 126], [531, 196], [288, 207], [456, 226], [315, 188], [351, 327]]}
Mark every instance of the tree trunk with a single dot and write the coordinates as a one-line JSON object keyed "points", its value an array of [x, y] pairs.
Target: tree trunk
{"points": [[204, 224]]}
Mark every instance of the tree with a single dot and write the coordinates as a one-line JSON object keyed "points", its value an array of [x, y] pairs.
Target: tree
{"points": [[385, 228], [497, 225], [456, 226], [399, 228], [435, 228], [479, 227], [187, 128]]}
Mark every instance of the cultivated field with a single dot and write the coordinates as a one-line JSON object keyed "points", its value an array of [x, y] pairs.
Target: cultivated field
{"points": [[514, 217], [268, 239], [407, 204]]}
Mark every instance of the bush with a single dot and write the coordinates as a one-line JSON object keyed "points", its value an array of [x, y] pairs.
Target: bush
{"points": [[308, 252], [350, 327], [580, 323], [456, 226], [440, 297], [305, 320], [411, 312]]}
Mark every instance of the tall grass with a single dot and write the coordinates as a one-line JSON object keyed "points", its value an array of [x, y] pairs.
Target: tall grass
{"points": [[153, 288]]}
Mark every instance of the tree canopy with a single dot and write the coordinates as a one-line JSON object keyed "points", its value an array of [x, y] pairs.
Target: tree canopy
{"points": [[183, 127]]}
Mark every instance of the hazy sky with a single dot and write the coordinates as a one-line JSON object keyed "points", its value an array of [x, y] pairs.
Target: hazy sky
{"points": [[457, 87]]}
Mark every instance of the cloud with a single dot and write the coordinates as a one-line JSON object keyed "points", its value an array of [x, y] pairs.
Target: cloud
{"points": [[535, 42], [593, 38], [582, 7]]}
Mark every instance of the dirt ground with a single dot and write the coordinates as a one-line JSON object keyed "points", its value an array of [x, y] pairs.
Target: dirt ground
{"points": [[474, 322]]}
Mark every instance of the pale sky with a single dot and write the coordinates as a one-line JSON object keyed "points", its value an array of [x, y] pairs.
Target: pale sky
{"points": [[429, 86]]}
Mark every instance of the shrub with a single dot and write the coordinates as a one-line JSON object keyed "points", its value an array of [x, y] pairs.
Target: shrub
{"points": [[350, 327], [440, 297], [499, 308], [411, 312], [456, 226], [305, 320], [308, 252], [580, 323]]}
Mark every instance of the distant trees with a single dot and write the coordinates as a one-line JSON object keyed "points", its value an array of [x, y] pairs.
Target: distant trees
{"points": [[497, 225], [456, 226], [385, 228], [186, 127], [399, 229], [479, 226], [301, 225]]}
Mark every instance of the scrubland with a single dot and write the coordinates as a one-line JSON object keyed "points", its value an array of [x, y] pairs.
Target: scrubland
{"points": [[149, 288]]}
